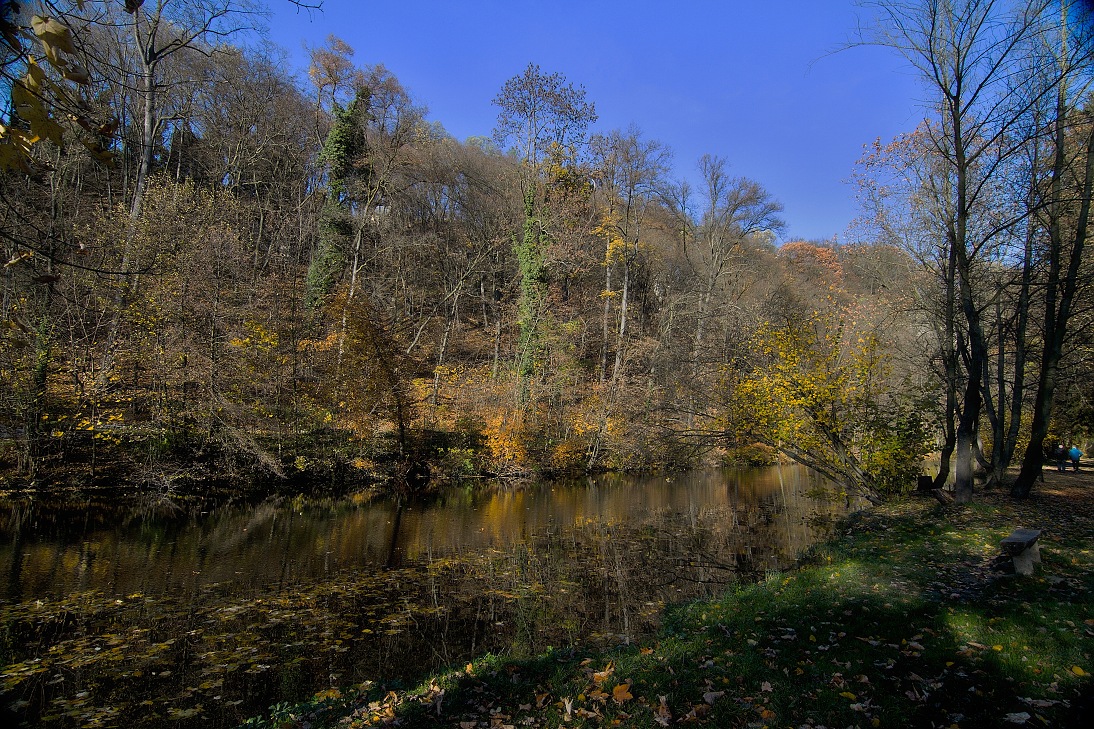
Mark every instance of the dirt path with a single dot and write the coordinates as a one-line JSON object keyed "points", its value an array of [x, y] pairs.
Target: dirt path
{"points": [[1063, 505]]}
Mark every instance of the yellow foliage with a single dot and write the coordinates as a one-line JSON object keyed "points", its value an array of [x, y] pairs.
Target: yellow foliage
{"points": [[318, 345], [568, 454], [261, 338], [503, 440], [823, 389]]}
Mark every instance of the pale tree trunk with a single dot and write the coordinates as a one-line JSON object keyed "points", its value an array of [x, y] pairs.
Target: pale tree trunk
{"points": [[355, 268], [622, 331], [972, 402], [148, 128], [958, 231], [450, 322]]}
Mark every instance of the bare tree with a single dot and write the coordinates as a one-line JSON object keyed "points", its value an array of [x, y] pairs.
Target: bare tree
{"points": [[735, 208], [973, 55], [539, 110], [1067, 219], [630, 171]]}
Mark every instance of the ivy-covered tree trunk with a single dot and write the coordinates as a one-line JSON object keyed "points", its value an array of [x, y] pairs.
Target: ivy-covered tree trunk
{"points": [[328, 261], [530, 250]]}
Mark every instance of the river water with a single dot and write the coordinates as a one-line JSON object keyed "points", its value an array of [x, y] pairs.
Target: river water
{"points": [[160, 615]]}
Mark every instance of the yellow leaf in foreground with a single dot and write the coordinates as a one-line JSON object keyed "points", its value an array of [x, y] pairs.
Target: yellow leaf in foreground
{"points": [[848, 695], [1078, 671], [622, 693], [53, 33]]}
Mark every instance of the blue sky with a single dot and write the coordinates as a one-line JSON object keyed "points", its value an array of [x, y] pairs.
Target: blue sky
{"points": [[755, 82]]}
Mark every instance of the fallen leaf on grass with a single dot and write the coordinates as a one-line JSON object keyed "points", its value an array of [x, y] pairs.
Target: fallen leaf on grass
{"points": [[663, 716], [622, 693], [697, 712], [711, 696], [1078, 671], [1018, 718], [1039, 703], [600, 677]]}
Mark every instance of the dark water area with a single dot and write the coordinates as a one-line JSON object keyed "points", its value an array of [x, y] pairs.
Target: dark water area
{"points": [[157, 615]]}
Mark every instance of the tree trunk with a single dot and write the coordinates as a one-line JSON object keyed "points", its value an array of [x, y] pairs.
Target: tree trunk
{"points": [[622, 332], [950, 354], [605, 322]]}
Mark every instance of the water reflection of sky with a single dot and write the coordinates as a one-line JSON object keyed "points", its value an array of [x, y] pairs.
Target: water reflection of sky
{"points": [[761, 515]]}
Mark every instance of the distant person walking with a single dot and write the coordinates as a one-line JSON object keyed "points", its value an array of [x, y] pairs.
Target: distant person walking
{"points": [[1075, 454], [1061, 457]]}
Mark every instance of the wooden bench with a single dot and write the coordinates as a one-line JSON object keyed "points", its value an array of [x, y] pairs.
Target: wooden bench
{"points": [[1022, 548]]}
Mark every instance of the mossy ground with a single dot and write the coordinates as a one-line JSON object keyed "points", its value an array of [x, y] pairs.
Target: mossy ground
{"points": [[899, 621]]}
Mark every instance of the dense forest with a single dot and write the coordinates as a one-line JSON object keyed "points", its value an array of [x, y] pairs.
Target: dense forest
{"points": [[216, 272]]}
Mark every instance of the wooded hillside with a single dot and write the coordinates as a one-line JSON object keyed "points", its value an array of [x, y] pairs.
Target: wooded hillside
{"points": [[215, 269]]}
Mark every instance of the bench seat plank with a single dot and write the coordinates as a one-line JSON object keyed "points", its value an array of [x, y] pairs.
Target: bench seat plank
{"points": [[1022, 547], [1020, 540]]}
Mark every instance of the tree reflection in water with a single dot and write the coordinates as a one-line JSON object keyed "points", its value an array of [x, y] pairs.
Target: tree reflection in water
{"points": [[207, 617]]}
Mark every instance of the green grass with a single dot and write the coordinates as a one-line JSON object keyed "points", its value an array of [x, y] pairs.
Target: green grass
{"points": [[897, 622]]}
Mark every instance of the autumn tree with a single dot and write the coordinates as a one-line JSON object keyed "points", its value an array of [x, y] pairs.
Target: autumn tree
{"points": [[822, 391], [974, 55], [537, 113], [629, 171]]}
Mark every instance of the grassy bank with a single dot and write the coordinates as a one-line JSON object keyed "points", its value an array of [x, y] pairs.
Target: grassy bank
{"points": [[900, 621]]}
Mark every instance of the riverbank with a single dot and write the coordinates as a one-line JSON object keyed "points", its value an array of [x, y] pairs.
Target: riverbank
{"points": [[899, 621]]}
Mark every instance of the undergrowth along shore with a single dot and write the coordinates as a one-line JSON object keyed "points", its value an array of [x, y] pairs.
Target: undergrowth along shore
{"points": [[898, 621]]}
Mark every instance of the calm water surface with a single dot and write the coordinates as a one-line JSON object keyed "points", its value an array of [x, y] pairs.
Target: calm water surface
{"points": [[156, 615]]}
